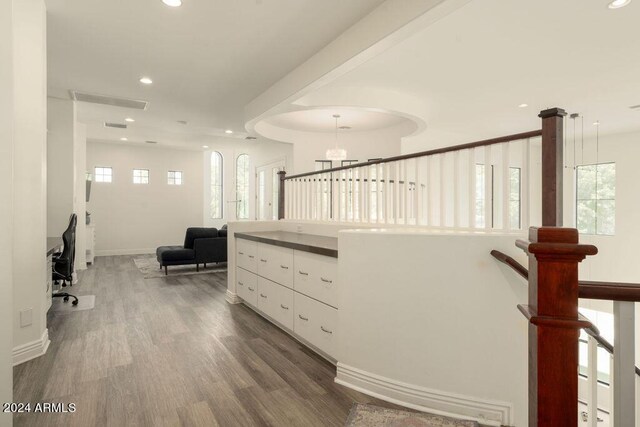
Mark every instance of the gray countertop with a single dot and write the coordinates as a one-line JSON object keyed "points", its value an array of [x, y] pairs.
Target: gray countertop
{"points": [[321, 245]]}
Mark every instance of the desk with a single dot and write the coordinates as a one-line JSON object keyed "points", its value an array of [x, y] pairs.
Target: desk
{"points": [[54, 244]]}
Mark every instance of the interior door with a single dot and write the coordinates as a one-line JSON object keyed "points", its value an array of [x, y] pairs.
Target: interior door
{"points": [[267, 187]]}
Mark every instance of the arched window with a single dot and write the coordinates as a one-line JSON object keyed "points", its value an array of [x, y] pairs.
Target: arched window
{"points": [[242, 186], [215, 208]]}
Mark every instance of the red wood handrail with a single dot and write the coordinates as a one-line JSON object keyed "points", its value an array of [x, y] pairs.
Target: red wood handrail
{"points": [[467, 146]]}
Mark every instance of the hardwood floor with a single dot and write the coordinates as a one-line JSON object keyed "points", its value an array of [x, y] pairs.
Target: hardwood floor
{"points": [[170, 352]]}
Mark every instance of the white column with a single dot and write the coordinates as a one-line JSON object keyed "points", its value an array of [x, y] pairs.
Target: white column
{"points": [[624, 384], [592, 381], [29, 179], [6, 207]]}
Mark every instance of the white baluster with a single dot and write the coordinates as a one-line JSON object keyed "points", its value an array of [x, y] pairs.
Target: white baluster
{"points": [[488, 189], [406, 195], [592, 382], [506, 189], [417, 197], [442, 193], [362, 193], [472, 187], [624, 388], [387, 192], [429, 196], [526, 179], [456, 202]]}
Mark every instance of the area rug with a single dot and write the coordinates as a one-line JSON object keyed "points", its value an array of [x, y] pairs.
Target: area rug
{"points": [[85, 302], [150, 269], [364, 415]]}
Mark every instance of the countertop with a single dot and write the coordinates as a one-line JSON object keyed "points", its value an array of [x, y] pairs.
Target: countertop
{"points": [[321, 245], [53, 243]]}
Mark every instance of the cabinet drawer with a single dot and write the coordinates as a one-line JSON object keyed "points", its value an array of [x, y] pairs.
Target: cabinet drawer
{"points": [[316, 322], [276, 302], [247, 286], [316, 276], [276, 264], [246, 254]]}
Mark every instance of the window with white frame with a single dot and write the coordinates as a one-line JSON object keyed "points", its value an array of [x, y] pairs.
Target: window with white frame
{"points": [[480, 196], [174, 177], [103, 174], [215, 206], [514, 197], [141, 176], [596, 198], [242, 186]]}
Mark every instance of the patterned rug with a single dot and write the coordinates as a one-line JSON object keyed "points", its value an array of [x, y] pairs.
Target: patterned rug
{"points": [[363, 415], [150, 269]]}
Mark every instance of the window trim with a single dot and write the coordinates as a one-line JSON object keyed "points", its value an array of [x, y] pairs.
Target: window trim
{"points": [[141, 170], [174, 178], [95, 174]]}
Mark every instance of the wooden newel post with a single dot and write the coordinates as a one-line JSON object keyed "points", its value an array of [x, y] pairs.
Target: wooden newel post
{"points": [[554, 328], [552, 166], [282, 175]]}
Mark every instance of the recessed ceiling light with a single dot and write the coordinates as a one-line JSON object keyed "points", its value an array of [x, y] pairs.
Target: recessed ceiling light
{"points": [[228, 131], [523, 105], [145, 80], [617, 4], [205, 146], [596, 123], [124, 139], [129, 119], [172, 3]]}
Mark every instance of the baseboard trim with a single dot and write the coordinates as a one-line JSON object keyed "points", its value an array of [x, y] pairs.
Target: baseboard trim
{"points": [[112, 252], [438, 402], [232, 298], [31, 350]]}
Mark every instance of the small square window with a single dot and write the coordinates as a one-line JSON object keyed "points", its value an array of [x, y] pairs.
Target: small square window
{"points": [[141, 176], [596, 198], [103, 174], [174, 178]]}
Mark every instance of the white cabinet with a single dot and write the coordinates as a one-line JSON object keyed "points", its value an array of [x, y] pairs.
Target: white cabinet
{"points": [[91, 243], [293, 288], [246, 254], [316, 276], [247, 286], [276, 263], [315, 322]]}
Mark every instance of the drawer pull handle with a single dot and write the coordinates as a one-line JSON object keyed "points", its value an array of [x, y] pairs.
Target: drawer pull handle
{"points": [[303, 273], [263, 295], [240, 283], [251, 289], [284, 306], [251, 256], [284, 266], [326, 280], [306, 319], [326, 330], [263, 260], [241, 253]]}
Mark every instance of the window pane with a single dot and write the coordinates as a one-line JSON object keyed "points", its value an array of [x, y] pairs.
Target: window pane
{"points": [[480, 196], [242, 186], [140, 176], [586, 219], [586, 182], [215, 206], [606, 181], [606, 216]]}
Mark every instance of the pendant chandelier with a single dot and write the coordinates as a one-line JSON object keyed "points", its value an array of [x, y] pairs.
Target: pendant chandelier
{"points": [[336, 154]]}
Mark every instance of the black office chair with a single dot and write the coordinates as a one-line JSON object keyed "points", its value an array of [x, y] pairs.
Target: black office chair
{"points": [[63, 262]]}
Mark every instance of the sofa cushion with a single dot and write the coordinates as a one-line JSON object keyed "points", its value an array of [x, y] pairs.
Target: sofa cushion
{"points": [[175, 253], [194, 233], [222, 233]]}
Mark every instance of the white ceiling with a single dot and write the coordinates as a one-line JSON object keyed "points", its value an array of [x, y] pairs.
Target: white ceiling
{"points": [[207, 58], [474, 67], [322, 120]]}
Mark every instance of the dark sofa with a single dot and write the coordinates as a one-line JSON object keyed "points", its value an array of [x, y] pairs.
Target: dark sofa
{"points": [[201, 246]]}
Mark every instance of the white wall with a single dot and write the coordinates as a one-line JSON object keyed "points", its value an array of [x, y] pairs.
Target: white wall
{"points": [[134, 218], [30, 177], [430, 319], [6, 207], [61, 118]]}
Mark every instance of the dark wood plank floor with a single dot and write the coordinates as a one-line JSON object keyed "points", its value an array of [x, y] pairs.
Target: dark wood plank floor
{"points": [[170, 352]]}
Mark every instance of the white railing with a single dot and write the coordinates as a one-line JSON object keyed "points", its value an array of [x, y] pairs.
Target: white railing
{"points": [[476, 186], [611, 401]]}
